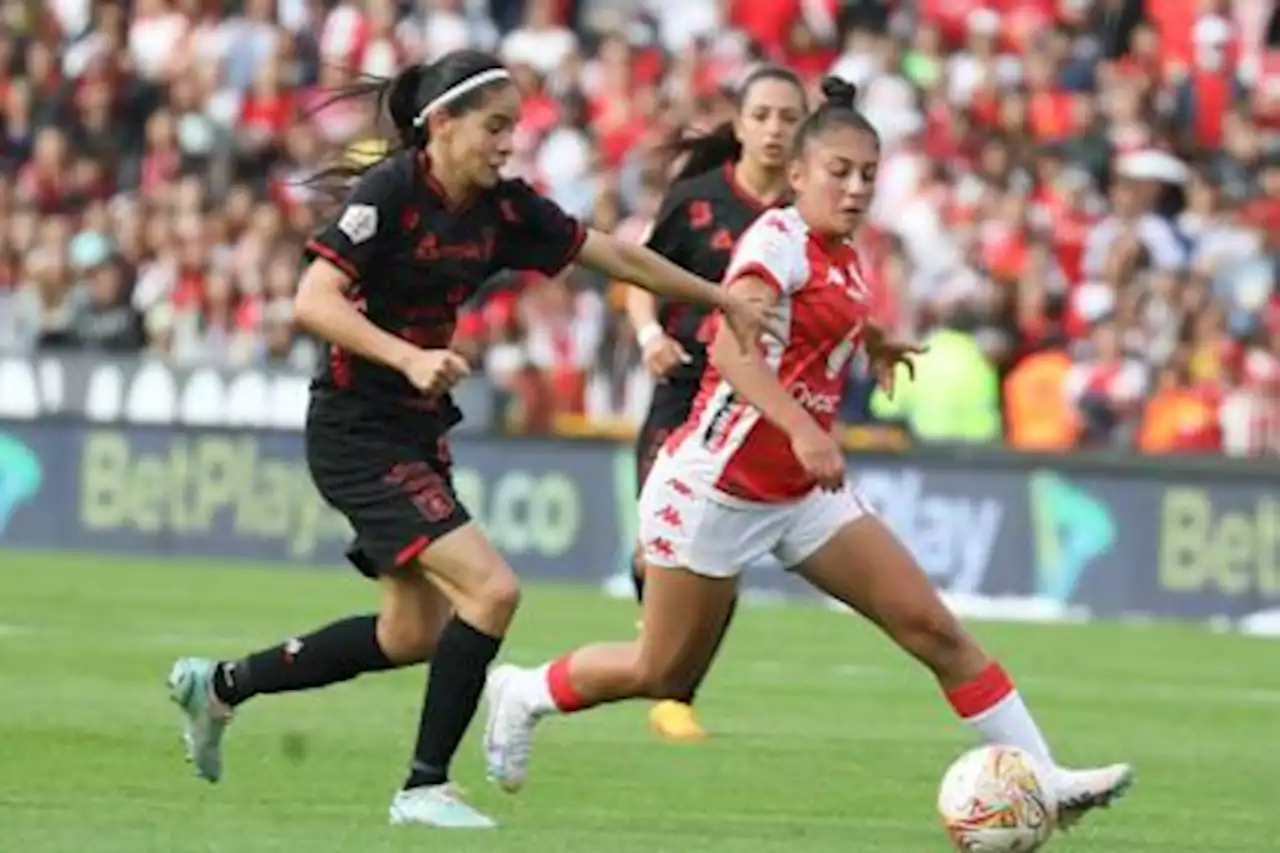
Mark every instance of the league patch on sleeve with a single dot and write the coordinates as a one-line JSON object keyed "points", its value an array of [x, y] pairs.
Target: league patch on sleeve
{"points": [[359, 222]]}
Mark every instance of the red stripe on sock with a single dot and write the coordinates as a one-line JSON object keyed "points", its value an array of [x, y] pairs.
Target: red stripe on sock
{"points": [[987, 689], [563, 693]]}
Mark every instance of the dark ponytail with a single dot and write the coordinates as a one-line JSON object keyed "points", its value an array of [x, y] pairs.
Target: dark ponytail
{"points": [[839, 109], [402, 105], [401, 100], [721, 146], [707, 151]]}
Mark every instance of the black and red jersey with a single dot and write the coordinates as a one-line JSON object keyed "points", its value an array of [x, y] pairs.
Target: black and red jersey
{"points": [[697, 227], [415, 257]]}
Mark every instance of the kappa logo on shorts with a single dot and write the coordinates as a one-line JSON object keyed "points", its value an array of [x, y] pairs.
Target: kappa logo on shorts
{"points": [[680, 487], [660, 547], [670, 516]]}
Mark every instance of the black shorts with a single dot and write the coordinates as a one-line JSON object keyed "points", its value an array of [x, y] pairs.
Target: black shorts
{"points": [[388, 472], [669, 409]]}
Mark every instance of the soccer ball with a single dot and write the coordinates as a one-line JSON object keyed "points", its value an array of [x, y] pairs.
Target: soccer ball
{"points": [[993, 800]]}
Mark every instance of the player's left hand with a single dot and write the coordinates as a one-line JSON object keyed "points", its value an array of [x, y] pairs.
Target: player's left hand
{"points": [[885, 356], [748, 317]]}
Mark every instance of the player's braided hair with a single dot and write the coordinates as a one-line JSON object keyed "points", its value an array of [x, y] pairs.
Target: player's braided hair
{"points": [[457, 83], [720, 146], [838, 110]]}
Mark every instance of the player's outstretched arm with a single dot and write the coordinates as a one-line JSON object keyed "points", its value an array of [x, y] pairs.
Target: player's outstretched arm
{"points": [[647, 269], [748, 318]]}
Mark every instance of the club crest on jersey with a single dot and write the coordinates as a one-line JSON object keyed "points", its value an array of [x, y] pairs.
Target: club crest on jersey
{"points": [[359, 222], [700, 215]]}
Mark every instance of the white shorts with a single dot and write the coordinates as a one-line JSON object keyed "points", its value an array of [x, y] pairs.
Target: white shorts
{"points": [[686, 523]]}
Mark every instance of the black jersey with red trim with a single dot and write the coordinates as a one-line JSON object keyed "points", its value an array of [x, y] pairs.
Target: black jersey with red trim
{"points": [[414, 257], [697, 227]]}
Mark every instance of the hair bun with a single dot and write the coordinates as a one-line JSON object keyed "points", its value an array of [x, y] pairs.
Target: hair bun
{"points": [[839, 93]]}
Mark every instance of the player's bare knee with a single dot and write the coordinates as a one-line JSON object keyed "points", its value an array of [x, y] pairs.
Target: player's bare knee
{"points": [[406, 637], [498, 597]]}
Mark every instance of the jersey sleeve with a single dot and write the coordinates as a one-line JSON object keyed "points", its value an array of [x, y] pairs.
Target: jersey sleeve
{"points": [[667, 234], [537, 234], [771, 249], [363, 228]]}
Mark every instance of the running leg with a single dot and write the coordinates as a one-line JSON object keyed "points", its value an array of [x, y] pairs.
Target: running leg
{"points": [[864, 565], [683, 613]]}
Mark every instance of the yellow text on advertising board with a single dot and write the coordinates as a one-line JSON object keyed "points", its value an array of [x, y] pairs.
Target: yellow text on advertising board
{"points": [[1210, 548]]}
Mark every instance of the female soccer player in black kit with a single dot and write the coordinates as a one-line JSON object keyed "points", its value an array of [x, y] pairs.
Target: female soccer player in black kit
{"points": [[730, 177], [416, 237]]}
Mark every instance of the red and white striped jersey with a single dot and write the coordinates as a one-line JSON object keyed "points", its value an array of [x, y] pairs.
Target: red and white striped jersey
{"points": [[826, 303]]}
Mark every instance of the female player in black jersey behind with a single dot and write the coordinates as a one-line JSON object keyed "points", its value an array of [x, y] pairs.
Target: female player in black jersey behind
{"points": [[419, 233], [730, 176]]}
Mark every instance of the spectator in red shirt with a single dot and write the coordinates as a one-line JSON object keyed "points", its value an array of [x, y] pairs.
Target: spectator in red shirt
{"points": [[1107, 388], [44, 182], [767, 23], [1209, 87], [1050, 113], [805, 54], [1181, 416], [265, 113], [162, 160]]}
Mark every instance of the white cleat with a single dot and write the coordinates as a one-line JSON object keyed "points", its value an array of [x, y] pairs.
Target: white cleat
{"points": [[508, 734], [205, 719], [1081, 791], [436, 806]]}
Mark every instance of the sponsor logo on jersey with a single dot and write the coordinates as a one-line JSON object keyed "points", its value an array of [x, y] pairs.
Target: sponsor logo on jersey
{"points": [[814, 401]]}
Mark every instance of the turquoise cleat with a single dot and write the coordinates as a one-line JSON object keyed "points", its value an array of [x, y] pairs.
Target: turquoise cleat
{"points": [[206, 718], [437, 806]]}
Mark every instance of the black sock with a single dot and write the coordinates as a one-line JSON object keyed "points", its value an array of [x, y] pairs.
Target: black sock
{"points": [[688, 697], [454, 686], [336, 652]]}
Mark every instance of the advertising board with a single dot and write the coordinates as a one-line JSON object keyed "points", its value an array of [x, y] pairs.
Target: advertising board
{"points": [[1107, 541]]}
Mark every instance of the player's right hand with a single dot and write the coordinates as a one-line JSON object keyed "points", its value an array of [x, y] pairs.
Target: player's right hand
{"points": [[435, 371], [662, 355], [817, 450]]}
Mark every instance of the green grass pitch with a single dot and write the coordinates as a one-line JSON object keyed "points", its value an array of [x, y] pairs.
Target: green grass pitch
{"points": [[827, 739]]}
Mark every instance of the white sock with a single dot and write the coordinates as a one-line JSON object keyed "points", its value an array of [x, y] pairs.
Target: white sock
{"points": [[991, 706], [1009, 722]]}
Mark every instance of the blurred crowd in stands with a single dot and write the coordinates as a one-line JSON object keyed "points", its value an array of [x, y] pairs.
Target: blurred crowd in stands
{"points": [[1079, 201]]}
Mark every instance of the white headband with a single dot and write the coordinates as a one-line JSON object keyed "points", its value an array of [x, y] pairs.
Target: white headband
{"points": [[484, 78]]}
